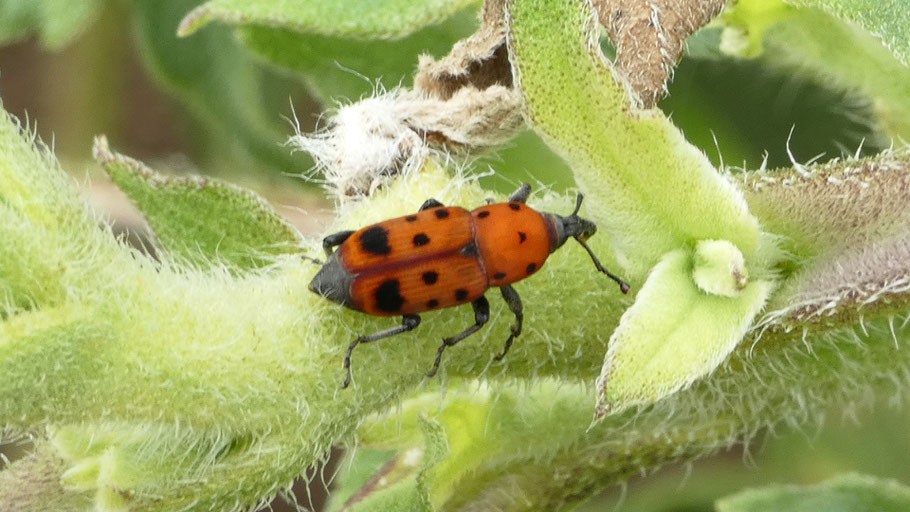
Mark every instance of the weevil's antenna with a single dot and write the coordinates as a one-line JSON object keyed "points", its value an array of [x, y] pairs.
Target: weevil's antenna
{"points": [[623, 286], [578, 201]]}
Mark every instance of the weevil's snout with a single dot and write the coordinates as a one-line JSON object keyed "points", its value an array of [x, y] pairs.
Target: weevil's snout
{"points": [[586, 229]]}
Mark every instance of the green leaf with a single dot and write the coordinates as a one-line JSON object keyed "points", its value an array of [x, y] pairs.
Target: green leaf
{"points": [[847, 224], [336, 67], [220, 84], [648, 188], [56, 22], [835, 52], [845, 493], [404, 483], [674, 333], [369, 19], [888, 20], [199, 220]]}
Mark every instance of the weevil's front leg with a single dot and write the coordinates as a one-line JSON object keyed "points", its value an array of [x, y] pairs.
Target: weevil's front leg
{"points": [[334, 240], [514, 301], [408, 323], [430, 203], [481, 316]]}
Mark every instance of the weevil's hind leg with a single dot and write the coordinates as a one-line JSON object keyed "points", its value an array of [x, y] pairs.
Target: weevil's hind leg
{"points": [[333, 240], [521, 195], [514, 301], [430, 203], [481, 316], [408, 323]]}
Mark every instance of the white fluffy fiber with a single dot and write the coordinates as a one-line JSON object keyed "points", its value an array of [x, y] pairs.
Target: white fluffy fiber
{"points": [[365, 144]]}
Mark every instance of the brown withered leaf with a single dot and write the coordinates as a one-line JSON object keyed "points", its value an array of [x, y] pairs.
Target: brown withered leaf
{"points": [[479, 61], [650, 37]]}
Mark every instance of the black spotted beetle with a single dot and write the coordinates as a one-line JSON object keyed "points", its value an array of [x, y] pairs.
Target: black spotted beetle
{"points": [[444, 256]]}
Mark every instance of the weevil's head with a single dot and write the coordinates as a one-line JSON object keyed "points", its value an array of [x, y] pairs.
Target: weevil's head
{"points": [[571, 226]]}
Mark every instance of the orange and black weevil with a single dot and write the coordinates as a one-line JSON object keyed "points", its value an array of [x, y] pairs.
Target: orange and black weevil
{"points": [[444, 256]]}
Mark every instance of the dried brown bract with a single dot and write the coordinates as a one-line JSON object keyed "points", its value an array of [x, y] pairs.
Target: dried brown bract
{"points": [[650, 37]]}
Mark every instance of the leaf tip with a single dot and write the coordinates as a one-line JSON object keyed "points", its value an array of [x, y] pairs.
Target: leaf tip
{"points": [[101, 149], [196, 19]]}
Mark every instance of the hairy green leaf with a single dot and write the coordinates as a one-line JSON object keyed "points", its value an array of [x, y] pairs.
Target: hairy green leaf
{"points": [[846, 222], [368, 19], [845, 493], [342, 68], [888, 20], [639, 172], [836, 52], [674, 334], [200, 220], [220, 84]]}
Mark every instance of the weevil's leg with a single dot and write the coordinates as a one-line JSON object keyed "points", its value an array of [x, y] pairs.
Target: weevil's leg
{"points": [[521, 195], [429, 203], [314, 260], [408, 323], [333, 240], [623, 286], [481, 315], [514, 301]]}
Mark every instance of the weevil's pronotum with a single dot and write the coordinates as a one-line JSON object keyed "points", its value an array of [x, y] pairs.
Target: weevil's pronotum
{"points": [[444, 256]]}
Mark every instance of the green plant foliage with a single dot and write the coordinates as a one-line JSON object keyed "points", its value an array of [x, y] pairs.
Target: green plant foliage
{"points": [[637, 169], [839, 53], [616, 164], [212, 379], [202, 221], [888, 20], [219, 83], [846, 493], [340, 68], [673, 334], [56, 22], [366, 19]]}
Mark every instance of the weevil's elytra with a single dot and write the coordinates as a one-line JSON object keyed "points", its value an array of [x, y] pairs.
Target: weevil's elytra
{"points": [[445, 256]]}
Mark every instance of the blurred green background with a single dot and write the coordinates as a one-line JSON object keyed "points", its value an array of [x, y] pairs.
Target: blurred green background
{"points": [[217, 103]]}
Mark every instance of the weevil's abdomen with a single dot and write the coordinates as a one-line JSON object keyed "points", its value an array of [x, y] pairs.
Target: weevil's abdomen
{"points": [[513, 240], [407, 239], [406, 265], [434, 283]]}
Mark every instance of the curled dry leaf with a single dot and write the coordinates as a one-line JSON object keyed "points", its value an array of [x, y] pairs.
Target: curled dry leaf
{"points": [[650, 37], [462, 103], [370, 142], [480, 61]]}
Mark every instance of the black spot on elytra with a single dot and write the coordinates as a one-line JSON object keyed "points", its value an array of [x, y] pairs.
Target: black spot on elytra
{"points": [[432, 303], [411, 218], [499, 275], [484, 214], [375, 241], [441, 213], [522, 237], [469, 250], [461, 294], [531, 267], [515, 206], [388, 296], [430, 277], [421, 239]]}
